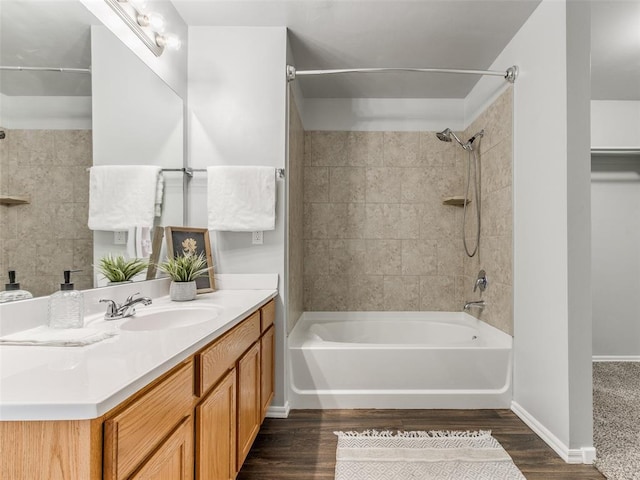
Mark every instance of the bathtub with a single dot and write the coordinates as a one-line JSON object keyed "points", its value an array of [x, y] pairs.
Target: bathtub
{"points": [[398, 360]]}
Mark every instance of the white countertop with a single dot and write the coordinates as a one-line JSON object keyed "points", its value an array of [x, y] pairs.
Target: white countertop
{"points": [[75, 383]]}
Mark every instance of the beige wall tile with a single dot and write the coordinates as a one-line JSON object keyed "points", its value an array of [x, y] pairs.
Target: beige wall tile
{"points": [[383, 220], [401, 293], [20, 255], [316, 184], [365, 149], [496, 212], [410, 221], [402, 149], [307, 149], [347, 257], [433, 152], [325, 293], [383, 185], [450, 261], [439, 222], [355, 223], [329, 149], [346, 184], [384, 257], [32, 148], [316, 257], [307, 228], [366, 292], [496, 168], [420, 185], [323, 217], [498, 258], [73, 147], [419, 257], [437, 293]]}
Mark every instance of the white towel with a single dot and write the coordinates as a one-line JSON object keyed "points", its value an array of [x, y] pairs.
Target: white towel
{"points": [[241, 199], [56, 337], [123, 196]]}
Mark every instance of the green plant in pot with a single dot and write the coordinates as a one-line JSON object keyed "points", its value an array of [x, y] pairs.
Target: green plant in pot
{"points": [[117, 269], [183, 271]]}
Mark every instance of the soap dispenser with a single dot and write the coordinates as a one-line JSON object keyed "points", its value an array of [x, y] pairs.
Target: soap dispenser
{"points": [[66, 307], [13, 291]]}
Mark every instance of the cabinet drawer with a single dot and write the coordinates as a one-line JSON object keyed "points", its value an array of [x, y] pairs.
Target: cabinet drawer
{"points": [[267, 315], [133, 433], [214, 361]]}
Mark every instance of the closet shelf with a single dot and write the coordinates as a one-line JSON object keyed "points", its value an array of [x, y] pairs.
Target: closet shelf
{"points": [[458, 201], [12, 200]]}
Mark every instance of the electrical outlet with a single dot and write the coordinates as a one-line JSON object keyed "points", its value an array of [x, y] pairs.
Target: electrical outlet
{"points": [[257, 238], [120, 238]]}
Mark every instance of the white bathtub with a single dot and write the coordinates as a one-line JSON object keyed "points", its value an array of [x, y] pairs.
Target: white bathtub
{"points": [[398, 360]]}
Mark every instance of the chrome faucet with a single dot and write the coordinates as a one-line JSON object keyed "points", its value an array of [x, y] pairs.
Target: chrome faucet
{"points": [[127, 309], [477, 304]]}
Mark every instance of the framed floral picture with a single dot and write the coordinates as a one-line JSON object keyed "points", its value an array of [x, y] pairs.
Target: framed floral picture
{"points": [[191, 240]]}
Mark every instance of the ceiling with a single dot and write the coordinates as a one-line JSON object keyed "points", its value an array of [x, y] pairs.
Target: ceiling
{"points": [[466, 34]]}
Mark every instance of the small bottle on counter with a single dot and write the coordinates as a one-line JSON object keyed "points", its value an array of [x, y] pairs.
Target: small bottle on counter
{"points": [[13, 291], [66, 307]]}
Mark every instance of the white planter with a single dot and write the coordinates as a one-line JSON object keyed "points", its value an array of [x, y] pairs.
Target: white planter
{"points": [[183, 291]]}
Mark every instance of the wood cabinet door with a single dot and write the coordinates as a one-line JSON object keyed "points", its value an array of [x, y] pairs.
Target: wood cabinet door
{"points": [[133, 433], [173, 460], [249, 408], [216, 432], [267, 348]]}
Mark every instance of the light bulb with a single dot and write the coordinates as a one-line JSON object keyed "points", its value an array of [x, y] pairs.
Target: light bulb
{"points": [[153, 20], [169, 41]]}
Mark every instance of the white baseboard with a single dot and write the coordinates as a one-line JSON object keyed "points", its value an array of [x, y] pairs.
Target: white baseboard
{"points": [[584, 455], [616, 358], [279, 411]]}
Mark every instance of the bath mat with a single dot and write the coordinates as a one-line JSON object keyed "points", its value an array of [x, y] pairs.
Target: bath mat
{"points": [[436, 455]]}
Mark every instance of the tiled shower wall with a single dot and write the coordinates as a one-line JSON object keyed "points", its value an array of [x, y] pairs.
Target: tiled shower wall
{"points": [[295, 241], [377, 236], [496, 233], [50, 234]]}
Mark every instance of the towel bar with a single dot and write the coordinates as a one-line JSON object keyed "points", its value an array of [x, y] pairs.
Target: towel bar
{"points": [[188, 171]]}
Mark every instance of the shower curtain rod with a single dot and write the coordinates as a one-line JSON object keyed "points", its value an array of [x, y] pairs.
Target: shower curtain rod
{"points": [[509, 75], [46, 69]]}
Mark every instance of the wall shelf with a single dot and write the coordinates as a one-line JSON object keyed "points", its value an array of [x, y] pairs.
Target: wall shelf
{"points": [[457, 201], [13, 200]]}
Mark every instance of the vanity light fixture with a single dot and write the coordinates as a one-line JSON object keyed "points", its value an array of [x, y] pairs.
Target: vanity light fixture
{"points": [[148, 26]]}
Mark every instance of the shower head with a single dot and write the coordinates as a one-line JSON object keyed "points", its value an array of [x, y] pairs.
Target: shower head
{"points": [[446, 135]]}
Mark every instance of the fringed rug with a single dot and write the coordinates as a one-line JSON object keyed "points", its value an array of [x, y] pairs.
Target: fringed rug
{"points": [[373, 455]]}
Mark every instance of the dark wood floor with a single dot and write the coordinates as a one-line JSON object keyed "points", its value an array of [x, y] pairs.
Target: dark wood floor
{"points": [[303, 446]]}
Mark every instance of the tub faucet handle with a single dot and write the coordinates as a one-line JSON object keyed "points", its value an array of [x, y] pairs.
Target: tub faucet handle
{"points": [[481, 282]]}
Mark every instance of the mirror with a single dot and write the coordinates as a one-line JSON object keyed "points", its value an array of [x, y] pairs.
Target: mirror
{"points": [[58, 124]]}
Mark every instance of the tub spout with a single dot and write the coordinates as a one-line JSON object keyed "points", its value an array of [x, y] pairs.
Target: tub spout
{"points": [[477, 304]]}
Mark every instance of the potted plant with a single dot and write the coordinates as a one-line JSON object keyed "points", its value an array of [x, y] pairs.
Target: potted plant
{"points": [[118, 269], [184, 270]]}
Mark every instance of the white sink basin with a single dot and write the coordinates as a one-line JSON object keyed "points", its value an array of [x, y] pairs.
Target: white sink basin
{"points": [[167, 319]]}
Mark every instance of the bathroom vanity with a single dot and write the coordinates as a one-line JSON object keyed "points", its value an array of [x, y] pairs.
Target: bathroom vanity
{"points": [[183, 402]]}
